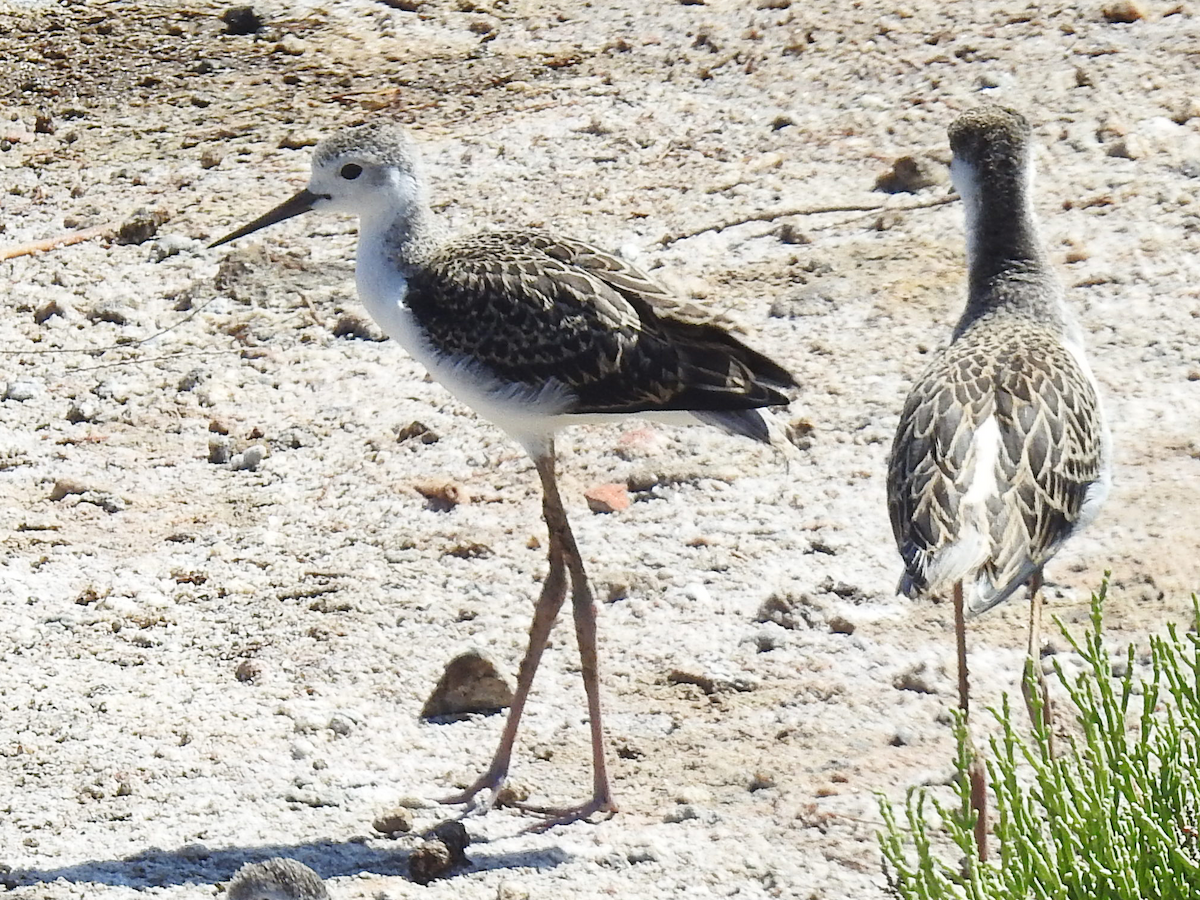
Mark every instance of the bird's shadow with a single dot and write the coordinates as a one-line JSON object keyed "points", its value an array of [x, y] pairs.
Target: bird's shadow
{"points": [[196, 864]]}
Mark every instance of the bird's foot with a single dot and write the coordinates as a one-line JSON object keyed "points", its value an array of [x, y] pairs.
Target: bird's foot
{"points": [[491, 783], [564, 815]]}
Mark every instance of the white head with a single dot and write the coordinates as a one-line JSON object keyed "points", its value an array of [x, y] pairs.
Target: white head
{"points": [[366, 170], [371, 171]]}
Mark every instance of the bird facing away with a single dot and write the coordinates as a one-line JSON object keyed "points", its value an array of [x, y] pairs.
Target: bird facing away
{"points": [[1002, 452], [534, 332], [276, 879]]}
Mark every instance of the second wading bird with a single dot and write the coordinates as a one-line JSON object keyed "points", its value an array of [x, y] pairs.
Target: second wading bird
{"points": [[534, 332], [1002, 452]]}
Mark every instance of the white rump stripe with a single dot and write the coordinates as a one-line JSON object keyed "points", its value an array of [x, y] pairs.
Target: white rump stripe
{"points": [[956, 561]]}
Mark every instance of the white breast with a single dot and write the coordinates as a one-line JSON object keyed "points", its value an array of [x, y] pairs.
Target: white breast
{"points": [[528, 415]]}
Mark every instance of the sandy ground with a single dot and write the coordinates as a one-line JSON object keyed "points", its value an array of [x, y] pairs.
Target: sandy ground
{"points": [[138, 579]]}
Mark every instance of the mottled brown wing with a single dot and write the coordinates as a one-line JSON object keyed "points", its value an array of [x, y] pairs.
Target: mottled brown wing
{"points": [[928, 467], [531, 308], [1049, 456]]}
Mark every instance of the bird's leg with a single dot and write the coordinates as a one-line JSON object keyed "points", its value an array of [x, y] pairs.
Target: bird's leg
{"points": [[960, 637], [1034, 660], [584, 607], [976, 773], [554, 591]]}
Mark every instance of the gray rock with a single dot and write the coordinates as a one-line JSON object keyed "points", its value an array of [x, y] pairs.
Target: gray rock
{"points": [[169, 245], [276, 879]]}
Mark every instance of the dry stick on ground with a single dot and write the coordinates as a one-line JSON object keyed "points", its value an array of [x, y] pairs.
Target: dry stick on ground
{"points": [[769, 215], [63, 240]]}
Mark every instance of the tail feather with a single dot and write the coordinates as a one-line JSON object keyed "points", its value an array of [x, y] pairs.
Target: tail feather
{"points": [[745, 422]]}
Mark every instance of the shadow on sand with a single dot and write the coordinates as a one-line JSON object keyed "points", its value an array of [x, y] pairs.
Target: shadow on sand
{"points": [[197, 864]]}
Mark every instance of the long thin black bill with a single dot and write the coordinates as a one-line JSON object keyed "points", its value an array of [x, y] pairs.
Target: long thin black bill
{"points": [[301, 203]]}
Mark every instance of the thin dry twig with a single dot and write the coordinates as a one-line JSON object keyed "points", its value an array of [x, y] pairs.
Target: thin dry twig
{"points": [[63, 240], [769, 215]]}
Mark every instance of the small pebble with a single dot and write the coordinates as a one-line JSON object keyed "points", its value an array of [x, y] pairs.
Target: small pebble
{"points": [[170, 245], [769, 637], [115, 312], [920, 677], [685, 812], [442, 495], [218, 450], [839, 624], [82, 411], [241, 20], [910, 174], [248, 460], [429, 860], [607, 498], [790, 233], [298, 140], [53, 308], [397, 820], [191, 381], [117, 391], [643, 854], [291, 45], [141, 226], [686, 676], [439, 855], [904, 737], [760, 781], [66, 487], [357, 326], [1123, 12], [20, 391], [418, 430]]}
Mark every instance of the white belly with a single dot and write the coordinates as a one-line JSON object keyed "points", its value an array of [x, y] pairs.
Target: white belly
{"points": [[529, 415]]}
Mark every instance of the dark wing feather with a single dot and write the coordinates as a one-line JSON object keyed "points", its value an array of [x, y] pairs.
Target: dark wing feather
{"points": [[532, 308]]}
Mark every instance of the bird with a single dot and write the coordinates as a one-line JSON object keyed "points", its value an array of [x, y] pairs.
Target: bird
{"points": [[535, 332], [1002, 452], [279, 878]]}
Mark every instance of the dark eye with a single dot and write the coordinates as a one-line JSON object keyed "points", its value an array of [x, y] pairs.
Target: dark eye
{"points": [[350, 171]]}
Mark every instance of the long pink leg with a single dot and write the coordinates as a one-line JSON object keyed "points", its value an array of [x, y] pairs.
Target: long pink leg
{"points": [[554, 591], [564, 558], [584, 607], [1034, 658], [976, 773]]}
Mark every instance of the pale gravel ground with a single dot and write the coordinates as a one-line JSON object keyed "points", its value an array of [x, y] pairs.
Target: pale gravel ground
{"points": [[134, 761]]}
